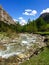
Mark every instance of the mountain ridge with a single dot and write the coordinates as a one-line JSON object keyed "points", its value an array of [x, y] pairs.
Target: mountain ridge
{"points": [[45, 17]]}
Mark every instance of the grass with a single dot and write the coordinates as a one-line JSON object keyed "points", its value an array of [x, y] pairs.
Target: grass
{"points": [[43, 33], [40, 59], [9, 34]]}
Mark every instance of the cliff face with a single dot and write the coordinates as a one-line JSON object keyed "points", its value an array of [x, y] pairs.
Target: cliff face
{"points": [[4, 16]]}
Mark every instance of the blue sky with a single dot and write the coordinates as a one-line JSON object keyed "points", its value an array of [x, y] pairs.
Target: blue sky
{"points": [[22, 10]]}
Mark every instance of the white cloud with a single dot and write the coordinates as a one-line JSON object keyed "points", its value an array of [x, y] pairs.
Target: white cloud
{"points": [[45, 11], [15, 20], [26, 13], [22, 21], [30, 12], [20, 18]]}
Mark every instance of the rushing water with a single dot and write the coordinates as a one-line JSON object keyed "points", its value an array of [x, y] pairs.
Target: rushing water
{"points": [[22, 44]]}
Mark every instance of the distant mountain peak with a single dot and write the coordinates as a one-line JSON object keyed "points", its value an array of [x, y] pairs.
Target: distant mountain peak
{"points": [[45, 16]]}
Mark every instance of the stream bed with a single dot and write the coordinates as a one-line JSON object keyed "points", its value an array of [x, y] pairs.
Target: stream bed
{"points": [[25, 44]]}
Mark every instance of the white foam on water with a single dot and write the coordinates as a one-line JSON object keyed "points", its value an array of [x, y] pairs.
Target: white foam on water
{"points": [[10, 54], [26, 41]]}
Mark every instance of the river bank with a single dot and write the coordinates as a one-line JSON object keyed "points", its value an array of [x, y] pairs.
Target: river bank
{"points": [[16, 49]]}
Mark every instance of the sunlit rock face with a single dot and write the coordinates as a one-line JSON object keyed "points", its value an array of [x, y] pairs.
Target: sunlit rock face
{"points": [[2, 47], [4, 16], [25, 44]]}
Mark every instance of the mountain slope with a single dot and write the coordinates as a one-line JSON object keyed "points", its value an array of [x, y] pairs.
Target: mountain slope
{"points": [[45, 16], [4, 27]]}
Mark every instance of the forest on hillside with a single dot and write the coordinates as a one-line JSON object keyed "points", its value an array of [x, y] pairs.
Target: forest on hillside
{"points": [[38, 25]]}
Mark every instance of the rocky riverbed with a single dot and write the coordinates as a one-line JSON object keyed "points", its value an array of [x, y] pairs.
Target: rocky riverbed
{"points": [[14, 50]]}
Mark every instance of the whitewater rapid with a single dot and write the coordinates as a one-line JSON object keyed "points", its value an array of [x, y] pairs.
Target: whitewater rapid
{"points": [[24, 41]]}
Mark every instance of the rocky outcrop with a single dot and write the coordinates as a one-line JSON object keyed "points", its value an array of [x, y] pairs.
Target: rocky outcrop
{"points": [[4, 16], [24, 53]]}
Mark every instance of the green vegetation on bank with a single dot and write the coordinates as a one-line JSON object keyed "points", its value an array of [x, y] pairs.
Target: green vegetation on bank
{"points": [[43, 33], [40, 59], [39, 26]]}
